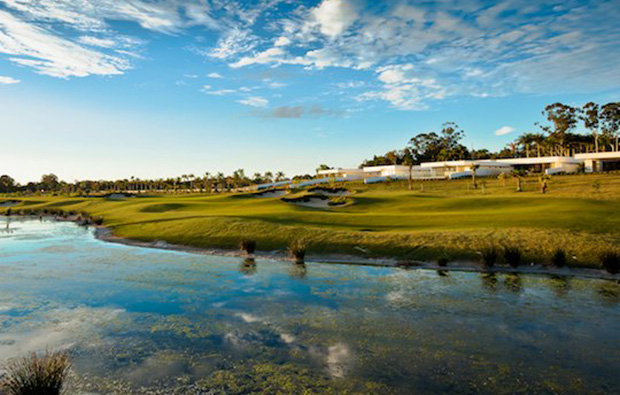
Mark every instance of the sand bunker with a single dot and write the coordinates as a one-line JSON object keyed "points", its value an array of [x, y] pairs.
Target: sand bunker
{"points": [[314, 201], [330, 191]]}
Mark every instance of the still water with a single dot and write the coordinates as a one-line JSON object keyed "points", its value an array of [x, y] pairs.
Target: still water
{"points": [[148, 321]]}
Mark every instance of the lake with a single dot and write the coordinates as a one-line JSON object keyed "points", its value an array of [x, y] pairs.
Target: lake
{"points": [[138, 320]]}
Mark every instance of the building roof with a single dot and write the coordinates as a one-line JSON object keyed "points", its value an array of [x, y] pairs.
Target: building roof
{"points": [[455, 163], [539, 160], [599, 155]]}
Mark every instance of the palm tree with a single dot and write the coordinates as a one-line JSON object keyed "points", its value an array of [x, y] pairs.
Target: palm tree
{"points": [[190, 178], [527, 140], [474, 168], [518, 174], [539, 140], [280, 176]]}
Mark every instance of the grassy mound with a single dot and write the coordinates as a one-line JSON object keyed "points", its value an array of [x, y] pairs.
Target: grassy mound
{"points": [[385, 220]]}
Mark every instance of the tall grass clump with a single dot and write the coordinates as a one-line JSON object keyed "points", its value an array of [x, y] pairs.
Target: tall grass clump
{"points": [[297, 250], [443, 259], [512, 255], [558, 259], [489, 256], [610, 261], [247, 245], [43, 375]]}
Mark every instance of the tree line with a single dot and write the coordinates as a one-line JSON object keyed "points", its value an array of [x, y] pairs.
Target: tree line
{"points": [[206, 183], [558, 137]]}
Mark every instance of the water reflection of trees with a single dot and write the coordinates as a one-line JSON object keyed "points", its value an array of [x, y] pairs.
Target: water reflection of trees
{"points": [[248, 266], [609, 291], [7, 228], [489, 281], [513, 282], [298, 270], [560, 285]]}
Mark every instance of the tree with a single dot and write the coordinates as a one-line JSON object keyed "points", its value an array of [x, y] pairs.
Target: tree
{"points": [[474, 168], [610, 122], [518, 174], [450, 138], [527, 140], [424, 147], [502, 177], [323, 167], [589, 114], [280, 176], [49, 182], [432, 147], [408, 161], [564, 118], [539, 140], [7, 184]]}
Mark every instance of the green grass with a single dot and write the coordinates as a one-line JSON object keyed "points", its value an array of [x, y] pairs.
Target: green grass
{"points": [[448, 217]]}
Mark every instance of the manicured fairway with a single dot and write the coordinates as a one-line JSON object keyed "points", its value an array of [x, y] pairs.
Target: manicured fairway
{"points": [[580, 214]]}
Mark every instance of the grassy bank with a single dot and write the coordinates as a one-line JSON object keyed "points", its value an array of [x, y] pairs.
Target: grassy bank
{"points": [[580, 214]]}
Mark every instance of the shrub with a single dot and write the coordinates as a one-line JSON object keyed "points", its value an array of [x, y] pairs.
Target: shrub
{"points": [[558, 259], [36, 375], [8, 212], [443, 259], [98, 221], [249, 246], [512, 255], [489, 256], [297, 250], [611, 262]]}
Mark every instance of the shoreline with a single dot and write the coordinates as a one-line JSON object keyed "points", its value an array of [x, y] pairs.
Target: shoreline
{"points": [[105, 234]]}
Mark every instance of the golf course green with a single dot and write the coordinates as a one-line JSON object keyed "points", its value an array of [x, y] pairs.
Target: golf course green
{"points": [[579, 214]]}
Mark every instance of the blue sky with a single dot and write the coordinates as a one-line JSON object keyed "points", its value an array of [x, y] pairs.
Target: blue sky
{"points": [[113, 89]]}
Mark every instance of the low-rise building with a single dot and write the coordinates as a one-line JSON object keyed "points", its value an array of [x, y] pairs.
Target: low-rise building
{"points": [[593, 162], [545, 164], [600, 161]]}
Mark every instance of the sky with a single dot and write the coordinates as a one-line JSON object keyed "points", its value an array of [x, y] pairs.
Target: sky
{"points": [[106, 89]]}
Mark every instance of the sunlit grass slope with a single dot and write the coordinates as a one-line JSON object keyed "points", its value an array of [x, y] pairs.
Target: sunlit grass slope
{"points": [[580, 214]]}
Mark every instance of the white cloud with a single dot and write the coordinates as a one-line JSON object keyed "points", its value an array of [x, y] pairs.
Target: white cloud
{"points": [[8, 80], [276, 85], [97, 42], [271, 55], [504, 130], [49, 54], [220, 92], [254, 101], [214, 75], [234, 42], [403, 89], [282, 41], [334, 16]]}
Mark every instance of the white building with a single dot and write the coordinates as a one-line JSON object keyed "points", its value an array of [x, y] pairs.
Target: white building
{"points": [[463, 168], [593, 162], [547, 164], [600, 161]]}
